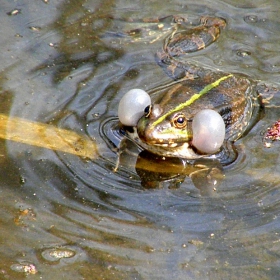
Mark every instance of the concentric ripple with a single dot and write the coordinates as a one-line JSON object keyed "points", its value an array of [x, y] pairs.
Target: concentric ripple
{"points": [[64, 214]]}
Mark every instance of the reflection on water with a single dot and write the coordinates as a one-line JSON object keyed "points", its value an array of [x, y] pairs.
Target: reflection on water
{"points": [[68, 215]]}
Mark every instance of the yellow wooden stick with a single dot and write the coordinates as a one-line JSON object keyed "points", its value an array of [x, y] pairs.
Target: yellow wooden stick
{"points": [[46, 136]]}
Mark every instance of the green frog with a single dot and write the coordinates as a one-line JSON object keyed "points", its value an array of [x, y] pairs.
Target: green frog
{"points": [[166, 125]]}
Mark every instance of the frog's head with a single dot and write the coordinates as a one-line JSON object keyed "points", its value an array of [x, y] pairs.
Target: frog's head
{"points": [[176, 134], [167, 130], [166, 134]]}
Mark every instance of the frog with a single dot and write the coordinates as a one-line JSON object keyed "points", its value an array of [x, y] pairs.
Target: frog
{"points": [[159, 146], [165, 128]]}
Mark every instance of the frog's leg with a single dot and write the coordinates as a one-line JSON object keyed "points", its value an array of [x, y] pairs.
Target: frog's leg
{"points": [[267, 93], [175, 69], [186, 40]]}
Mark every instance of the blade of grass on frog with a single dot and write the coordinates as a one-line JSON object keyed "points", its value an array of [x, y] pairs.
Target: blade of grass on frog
{"points": [[46, 136]]}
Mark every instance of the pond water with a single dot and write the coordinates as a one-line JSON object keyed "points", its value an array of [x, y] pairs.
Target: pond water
{"points": [[65, 215]]}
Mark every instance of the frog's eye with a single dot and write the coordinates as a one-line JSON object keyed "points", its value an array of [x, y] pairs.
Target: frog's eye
{"points": [[179, 121], [147, 111]]}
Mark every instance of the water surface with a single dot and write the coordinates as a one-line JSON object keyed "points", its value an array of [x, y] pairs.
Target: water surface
{"points": [[73, 217]]}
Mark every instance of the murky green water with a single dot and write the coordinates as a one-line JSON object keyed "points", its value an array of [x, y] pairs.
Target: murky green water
{"points": [[65, 217]]}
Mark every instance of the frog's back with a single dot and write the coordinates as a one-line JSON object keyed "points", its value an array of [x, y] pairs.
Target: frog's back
{"points": [[234, 98]]}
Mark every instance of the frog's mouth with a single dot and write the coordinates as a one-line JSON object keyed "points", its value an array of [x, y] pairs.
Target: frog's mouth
{"points": [[168, 149], [169, 137]]}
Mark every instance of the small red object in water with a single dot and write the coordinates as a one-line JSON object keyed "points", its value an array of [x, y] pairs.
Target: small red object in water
{"points": [[273, 132]]}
